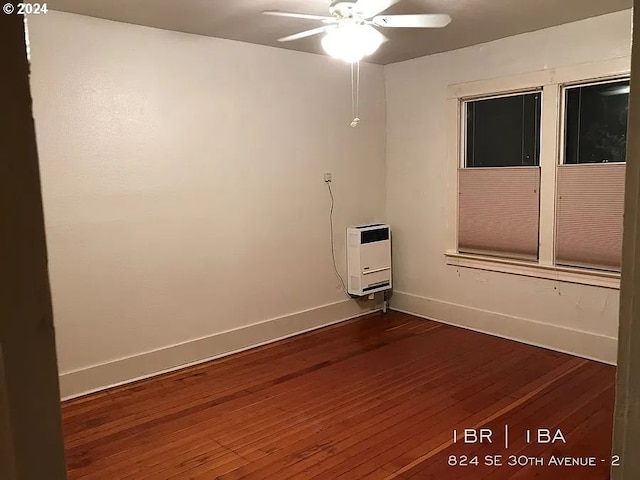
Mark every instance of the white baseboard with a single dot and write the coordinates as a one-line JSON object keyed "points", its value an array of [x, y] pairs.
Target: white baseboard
{"points": [[562, 339], [148, 364]]}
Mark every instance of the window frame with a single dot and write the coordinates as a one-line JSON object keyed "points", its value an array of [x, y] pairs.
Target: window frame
{"points": [[562, 160], [463, 126], [552, 83]]}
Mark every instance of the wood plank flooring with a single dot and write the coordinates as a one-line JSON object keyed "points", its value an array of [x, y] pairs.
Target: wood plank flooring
{"points": [[374, 398]]}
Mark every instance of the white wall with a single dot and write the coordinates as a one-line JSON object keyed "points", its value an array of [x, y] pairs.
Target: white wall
{"points": [[183, 190], [574, 318]]}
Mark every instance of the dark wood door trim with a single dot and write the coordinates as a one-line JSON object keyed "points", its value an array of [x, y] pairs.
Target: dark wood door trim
{"points": [[29, 395]]}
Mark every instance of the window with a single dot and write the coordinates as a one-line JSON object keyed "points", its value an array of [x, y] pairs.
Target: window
{"points": [[499, 202], [596, 123], [503, 131], [590, 180], [540, 174]]}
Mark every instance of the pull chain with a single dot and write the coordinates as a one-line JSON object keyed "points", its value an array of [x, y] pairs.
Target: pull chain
{"points": [[355, 93]]}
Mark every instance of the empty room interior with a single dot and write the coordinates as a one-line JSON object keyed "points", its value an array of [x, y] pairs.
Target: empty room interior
{"points": [[359, 239]]}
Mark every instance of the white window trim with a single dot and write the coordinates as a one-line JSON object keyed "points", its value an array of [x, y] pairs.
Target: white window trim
{"points": [[552, 82], [530, 269]]}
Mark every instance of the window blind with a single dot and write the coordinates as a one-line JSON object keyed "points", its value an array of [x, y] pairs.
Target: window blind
{"points": [[499, 211], [589, 215]]}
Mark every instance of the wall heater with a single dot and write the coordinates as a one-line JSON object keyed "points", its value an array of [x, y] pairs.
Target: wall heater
{"points": [[368, 259]]}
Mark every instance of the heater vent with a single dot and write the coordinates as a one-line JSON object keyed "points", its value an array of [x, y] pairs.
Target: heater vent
{"points": [[369, 259]]}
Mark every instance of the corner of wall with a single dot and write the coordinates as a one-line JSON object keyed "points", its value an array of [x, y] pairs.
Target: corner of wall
{"points": [[201, 350]]}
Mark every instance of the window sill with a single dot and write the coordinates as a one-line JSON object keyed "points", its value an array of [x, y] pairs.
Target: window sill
{"points": [[529, 269]]}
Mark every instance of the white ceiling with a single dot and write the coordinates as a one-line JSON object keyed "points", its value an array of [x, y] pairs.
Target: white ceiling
{"points": [[474, 21]]}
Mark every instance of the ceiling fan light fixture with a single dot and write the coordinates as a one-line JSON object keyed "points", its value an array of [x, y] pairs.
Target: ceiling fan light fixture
{"points": [[352, 42]]}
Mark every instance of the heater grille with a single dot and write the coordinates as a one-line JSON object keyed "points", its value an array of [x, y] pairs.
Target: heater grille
{"points": [[369, 259]]}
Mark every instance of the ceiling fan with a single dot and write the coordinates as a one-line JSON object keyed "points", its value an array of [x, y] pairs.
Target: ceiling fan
{"points": [[350, 29]]}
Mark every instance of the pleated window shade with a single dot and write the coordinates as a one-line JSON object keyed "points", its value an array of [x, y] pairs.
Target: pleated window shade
{"points": [[499, 211], [589, 215]]}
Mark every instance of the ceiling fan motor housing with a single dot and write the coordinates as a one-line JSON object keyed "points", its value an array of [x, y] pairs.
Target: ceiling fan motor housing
{"points": [[343, 8]]}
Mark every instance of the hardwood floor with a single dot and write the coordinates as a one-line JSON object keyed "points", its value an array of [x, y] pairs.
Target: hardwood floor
{"points": [[374, 398]]}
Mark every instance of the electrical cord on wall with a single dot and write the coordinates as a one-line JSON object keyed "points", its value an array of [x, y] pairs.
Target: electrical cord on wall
{"points": [[333, 250]]}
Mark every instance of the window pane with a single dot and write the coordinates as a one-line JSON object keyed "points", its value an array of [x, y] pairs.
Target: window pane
{"points": [[596, 123], [503, 132]]}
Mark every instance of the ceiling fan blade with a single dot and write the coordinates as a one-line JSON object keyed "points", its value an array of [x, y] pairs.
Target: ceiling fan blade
{"points": [[412, 21], [370, 8], [278, 13], [306, 33], [379, 34]]}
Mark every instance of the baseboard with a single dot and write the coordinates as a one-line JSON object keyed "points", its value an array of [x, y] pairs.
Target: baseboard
{"points": [[575, 342], [99, 377]]}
